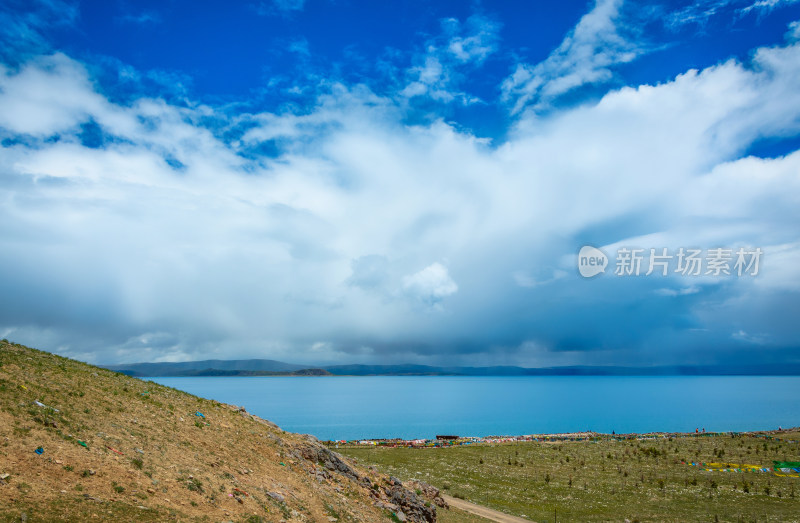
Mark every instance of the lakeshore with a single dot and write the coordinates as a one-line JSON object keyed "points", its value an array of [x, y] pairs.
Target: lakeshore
{"points": [[449, 441]]}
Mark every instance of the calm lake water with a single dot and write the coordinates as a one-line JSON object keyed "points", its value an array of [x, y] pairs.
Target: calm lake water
{"points": [[415, 407]]}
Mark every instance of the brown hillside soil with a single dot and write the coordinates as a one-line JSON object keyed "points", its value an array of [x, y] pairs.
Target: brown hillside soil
{"points": [[117, 448]]}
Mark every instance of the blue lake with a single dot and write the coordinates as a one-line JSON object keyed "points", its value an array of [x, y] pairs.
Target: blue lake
{"points": [[415, 407]]}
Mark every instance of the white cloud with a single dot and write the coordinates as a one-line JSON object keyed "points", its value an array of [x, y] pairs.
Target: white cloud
{"points": [[685, 291], [767, 5], [31, 106], [793, 34], [438, 73], [749, 338], [24, 25], [587, 55], [430, 79], [698, 13], [112, 249], [430, 285], [476, 43]]}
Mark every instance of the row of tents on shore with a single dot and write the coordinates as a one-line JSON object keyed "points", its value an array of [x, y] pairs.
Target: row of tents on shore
{"points": [[779, 468], [449, 441]]}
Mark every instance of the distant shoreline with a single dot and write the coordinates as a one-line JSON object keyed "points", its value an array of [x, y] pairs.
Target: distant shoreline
{"points": [[562, 436], [249, 368]]}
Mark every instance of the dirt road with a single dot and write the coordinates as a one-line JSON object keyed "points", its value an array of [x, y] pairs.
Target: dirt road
{"points": [[484, 512]]}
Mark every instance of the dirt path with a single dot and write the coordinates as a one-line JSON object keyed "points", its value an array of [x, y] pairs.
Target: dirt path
{"points": [[484, 512]]}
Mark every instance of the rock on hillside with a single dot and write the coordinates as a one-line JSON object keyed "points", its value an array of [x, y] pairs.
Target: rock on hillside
{"points": [[81, 443]]}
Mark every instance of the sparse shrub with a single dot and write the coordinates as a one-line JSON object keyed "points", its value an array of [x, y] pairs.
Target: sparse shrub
{"points": [[137, 463], [194, 484], [651, 451]]}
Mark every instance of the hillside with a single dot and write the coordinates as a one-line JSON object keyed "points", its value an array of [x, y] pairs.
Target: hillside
{"points": [[81, 443]]}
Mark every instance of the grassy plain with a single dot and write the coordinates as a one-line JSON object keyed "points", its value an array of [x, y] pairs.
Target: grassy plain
{"points": [[609, 480]]}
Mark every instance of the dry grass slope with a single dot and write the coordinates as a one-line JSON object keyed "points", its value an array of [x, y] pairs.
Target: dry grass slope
{"points": [[118, 448]]}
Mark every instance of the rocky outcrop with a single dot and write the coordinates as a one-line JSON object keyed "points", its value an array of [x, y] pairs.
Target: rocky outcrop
{"points": [[427, 491], [410, 506], [389, 494], [322, 455]]}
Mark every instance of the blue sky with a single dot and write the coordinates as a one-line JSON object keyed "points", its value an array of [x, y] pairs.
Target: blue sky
{"points": [[340, 181]]}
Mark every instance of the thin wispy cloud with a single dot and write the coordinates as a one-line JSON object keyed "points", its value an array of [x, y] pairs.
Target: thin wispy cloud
{"points": [[282, 7], [600, 41], [439, 72], [24, 25], [767, 5]]}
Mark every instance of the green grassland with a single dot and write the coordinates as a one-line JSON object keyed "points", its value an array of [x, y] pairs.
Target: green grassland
{"points": [[609, 480], [452, 515]]}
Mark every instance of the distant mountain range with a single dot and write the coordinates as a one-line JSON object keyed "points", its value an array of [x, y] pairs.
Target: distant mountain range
{"points": [[278, 368]]}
